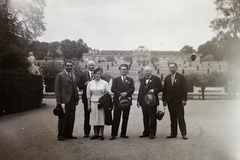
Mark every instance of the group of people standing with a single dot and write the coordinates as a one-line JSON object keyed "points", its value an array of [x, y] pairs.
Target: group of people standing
{"points": [[99, 113]]}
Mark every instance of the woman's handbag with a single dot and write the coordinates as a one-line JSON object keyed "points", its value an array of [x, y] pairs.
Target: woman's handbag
{"points": [[160, 114]]}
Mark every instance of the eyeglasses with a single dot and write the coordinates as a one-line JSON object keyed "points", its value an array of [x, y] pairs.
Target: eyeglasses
{"points": [[68, 65]]}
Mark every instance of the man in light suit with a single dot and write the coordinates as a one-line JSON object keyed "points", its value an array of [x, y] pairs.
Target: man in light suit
{"points": [[149, 84], [175, 96], [85, 78], [66, 94], [122, 87]]}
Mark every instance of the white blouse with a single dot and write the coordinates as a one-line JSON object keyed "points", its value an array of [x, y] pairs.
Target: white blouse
{"points": [[96, 89]]}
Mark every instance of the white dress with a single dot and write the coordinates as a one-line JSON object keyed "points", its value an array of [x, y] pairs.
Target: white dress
{"points": [[95, 90]]}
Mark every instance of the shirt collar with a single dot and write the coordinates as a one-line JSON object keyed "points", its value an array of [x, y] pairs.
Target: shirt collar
{"points": [[123, 77], [174, 74], [148, 77], [66, 72]]}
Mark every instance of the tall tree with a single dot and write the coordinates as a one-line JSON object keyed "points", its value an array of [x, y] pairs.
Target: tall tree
{"points": [[227, 22], [227, 26], [210, 48], [29, 15], [188, 49], [21, 22]]}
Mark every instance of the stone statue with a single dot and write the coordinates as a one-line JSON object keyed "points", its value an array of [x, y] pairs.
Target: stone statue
{"points": [[32, 61]]}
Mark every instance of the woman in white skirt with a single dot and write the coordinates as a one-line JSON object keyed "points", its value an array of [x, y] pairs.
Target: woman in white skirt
{"points": [[96, 89]]}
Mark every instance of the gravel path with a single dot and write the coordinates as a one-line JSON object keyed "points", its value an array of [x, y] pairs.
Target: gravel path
{"points": [[213, 131]]}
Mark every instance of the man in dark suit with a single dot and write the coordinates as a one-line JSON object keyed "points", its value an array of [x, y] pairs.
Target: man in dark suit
{"points": [[149, 84], [85, 78], [175, 96], [67, 96], [122, 87]]}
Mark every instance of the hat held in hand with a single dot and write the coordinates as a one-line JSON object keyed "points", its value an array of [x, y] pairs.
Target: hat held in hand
{"points": [[58, 111], [150, 99], [124, 103]]}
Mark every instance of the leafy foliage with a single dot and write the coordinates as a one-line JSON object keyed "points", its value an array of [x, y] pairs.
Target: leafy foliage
{"points": [[18, 97], [228, 20], [29, 15], [188, 49], [227, 26], [214, 79], [20, 23]]}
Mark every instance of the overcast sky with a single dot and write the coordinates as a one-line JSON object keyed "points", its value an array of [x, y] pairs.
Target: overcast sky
{"points": [[127, 24]]}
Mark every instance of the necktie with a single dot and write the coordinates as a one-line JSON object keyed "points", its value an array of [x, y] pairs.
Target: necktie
{"points": [[92, 77], [124, 80], [172, 79]]}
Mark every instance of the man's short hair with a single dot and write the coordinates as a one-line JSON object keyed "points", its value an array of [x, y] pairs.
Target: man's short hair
{"points": [[123, 65], [173, 63], [69, 61]]}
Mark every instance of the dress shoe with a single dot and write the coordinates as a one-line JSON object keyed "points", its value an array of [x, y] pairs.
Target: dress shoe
{"points": [[71, 137], [112, 138], [151, 137], [184, 137], [171, 136], [61, 138], [101, 137], [124, 136], [86, 136], [142, 136], [94, 137]]}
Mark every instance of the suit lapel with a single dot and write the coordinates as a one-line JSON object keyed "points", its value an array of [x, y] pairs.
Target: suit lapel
{"points": [[88, 76], [67, 76], [123, 84], [174, 81]]}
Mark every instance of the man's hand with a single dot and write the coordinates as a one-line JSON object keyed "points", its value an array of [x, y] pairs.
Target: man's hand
{"points": [[164, 103], [151, 91], [123, 94], [138, 105], [87, 83], [184, 103], [89, 108]]}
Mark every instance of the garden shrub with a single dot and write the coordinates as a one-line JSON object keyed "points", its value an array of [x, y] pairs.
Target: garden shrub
{"points": [[20, 92]]}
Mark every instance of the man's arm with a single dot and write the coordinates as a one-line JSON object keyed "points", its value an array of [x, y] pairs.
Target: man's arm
{"points": [[158, 87], [82, 81], [58, 88], [114, 88]]}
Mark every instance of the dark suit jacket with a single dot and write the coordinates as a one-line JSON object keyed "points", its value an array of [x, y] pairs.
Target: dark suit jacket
{"points": [[154, 83], [176, 92], [118, 87], [106, 102], [81, 85], [64, 87]]}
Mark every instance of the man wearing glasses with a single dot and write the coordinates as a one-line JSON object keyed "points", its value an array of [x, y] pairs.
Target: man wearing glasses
{"points": [[67, 96]]}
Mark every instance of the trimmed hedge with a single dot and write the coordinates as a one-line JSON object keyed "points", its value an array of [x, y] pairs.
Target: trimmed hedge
{"points": [[20, 92]]}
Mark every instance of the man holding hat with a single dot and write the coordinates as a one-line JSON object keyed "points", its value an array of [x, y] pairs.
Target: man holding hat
{"points": [[67, 97], [148, 99], [123, 88]]}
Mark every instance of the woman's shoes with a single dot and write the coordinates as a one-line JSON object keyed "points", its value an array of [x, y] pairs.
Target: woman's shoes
{"points": [[94, 137]]}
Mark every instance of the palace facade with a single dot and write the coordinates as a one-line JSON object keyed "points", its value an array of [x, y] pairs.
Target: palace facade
{"points": [[139, 54]]}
